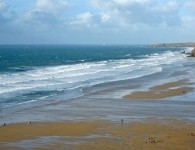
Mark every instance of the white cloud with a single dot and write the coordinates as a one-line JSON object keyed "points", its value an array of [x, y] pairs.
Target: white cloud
{"points": [[5, 14], [51, 6], [132, 12], [169, 7], [83, 19], [128, 18], [3, 6], [45, 14], [129, 2], [105, 18], [191, 4], [116, 3]]}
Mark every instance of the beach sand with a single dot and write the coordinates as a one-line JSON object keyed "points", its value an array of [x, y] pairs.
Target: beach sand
{"points": [[145, 134], [99, 135], [169, 89]]}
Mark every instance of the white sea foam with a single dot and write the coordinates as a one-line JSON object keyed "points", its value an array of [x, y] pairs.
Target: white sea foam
{"points": [[188, 49], [68, 77]]}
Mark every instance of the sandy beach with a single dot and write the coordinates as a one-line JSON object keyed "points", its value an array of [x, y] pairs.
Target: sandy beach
{"points": [[148, 135], [170, 89], [151, 112], [97, 75]]}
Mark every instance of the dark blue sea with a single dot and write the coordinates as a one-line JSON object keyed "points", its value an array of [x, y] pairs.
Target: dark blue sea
{"points": [[46, 73]]}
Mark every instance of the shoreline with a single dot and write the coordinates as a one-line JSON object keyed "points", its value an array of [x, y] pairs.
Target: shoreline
{"points": [[161, 118], [150, 134], [104, 105], [162, 91]]}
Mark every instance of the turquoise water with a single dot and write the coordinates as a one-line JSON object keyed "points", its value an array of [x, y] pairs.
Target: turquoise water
{"points": [[38, 73], [16, 58]]}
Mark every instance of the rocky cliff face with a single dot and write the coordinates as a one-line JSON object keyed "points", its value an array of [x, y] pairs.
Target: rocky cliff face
{"points": [[187, 44]]}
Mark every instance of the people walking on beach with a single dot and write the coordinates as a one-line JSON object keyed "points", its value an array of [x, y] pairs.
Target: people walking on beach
{"points": [[122, 121]]}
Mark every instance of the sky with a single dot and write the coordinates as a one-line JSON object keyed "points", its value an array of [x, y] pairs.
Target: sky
{"points": [[96, 21]]}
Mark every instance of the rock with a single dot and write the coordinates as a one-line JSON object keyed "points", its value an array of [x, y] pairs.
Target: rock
{"points": [[193, 53]]}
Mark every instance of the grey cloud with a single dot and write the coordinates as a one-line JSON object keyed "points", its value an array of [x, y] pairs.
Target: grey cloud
{"points": [[45, 14], [41, 17], [7, 16]]}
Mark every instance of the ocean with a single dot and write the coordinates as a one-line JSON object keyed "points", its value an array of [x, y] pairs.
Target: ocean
{"points": [[38, 74]]}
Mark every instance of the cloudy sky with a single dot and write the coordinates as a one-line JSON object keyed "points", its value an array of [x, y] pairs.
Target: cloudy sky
{"points": [[96, 21]]}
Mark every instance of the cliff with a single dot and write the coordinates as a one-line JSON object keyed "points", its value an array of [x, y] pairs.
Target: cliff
{"points": [[187, 44]]}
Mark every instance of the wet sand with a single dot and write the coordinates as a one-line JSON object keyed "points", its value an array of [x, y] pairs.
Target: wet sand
{"points": [[148, 135], [170, 89], [71, 125]]}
